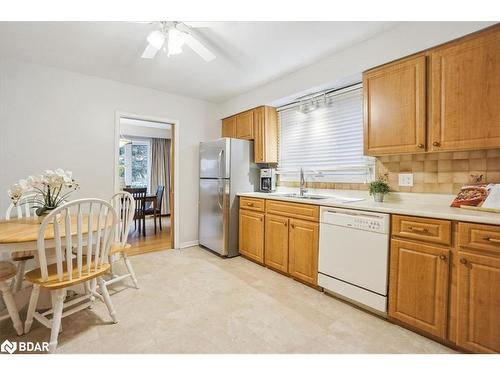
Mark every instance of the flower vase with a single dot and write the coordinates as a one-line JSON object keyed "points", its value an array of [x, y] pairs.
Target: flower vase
{"points": [[378, 197]]}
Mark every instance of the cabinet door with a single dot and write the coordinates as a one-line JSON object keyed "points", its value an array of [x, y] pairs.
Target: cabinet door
{"points": [[244, 125], [251, 237], [479, 303], [276, 248], [418, 287], [303, 250], [265, 135], [229, 127], [395, 107], [259, 148], [465, 93]]}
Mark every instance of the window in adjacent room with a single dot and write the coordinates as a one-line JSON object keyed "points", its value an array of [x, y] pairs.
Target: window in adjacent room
{"points": [[324, 135]]}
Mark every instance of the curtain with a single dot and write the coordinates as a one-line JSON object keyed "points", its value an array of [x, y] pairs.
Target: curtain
{"points": [[160, 169]]}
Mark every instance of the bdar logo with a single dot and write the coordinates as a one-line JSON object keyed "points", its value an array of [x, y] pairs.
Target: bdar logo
{"points": [[8, 347]]}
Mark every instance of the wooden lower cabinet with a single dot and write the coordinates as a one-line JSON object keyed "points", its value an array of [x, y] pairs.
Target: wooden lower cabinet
{"points": [[303, 250], [418, 288], [478, 303], [276, 243], [251, 235]]}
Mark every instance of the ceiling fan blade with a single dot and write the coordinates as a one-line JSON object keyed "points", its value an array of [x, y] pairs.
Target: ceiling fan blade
{"points": [[199, 48], [194, 42], [150, 52]]}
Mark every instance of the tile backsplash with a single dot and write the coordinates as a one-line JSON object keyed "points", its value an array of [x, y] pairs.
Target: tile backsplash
{"points": [[443, 172]]}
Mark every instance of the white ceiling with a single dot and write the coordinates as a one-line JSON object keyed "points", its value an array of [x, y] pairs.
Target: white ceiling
{"points": [[249, 54]]}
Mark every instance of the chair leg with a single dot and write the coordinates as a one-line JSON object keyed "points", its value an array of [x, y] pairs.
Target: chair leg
{"points": [[154, 218], [21, 268], [10, 303], [35, 292], [57, 306], [107, 299], [159, 220], [144, 226], [130, 270]]}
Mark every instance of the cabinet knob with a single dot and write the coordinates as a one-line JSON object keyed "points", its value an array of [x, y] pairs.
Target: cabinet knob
{"points": [[463, 260], [436, 143], [250, 204], [420, 145], [292, 225], [442, 257]]}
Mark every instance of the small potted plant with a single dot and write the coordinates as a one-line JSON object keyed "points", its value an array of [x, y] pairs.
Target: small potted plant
{"points": [[378, 189], [46, 192]]}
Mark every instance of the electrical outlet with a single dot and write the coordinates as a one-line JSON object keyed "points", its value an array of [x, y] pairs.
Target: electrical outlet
{"points": [[405, 179]]}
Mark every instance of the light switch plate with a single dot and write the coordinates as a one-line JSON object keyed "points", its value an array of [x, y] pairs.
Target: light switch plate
{"points": [[405, 179]]}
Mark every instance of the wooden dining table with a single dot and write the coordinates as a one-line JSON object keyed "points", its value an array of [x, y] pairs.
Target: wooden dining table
{"points": [[22, 235]]}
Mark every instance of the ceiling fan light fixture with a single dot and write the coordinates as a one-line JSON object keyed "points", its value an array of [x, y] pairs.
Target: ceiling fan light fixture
{"points": [[156, 39], [176, 40]]}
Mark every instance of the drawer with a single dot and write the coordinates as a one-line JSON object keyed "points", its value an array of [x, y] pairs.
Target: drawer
{"points": [[422, 229], [479, 237], [255, 204], [290, 209]]}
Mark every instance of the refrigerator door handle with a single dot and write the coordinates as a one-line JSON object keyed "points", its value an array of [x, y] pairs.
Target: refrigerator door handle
{"points": [[220, 197], [219, 163]]}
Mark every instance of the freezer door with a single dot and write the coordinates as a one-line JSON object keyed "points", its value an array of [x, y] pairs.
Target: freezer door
{"points": [[215, 158], [213, 215]]}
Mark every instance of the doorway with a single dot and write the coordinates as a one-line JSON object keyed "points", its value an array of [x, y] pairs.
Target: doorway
{"points": [[145, 160]]}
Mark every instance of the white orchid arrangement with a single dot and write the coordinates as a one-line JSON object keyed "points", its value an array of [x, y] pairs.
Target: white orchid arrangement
{"points": [[51, 189]]}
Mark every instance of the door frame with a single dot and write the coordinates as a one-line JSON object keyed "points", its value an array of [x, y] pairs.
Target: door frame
{"points": [[174, 166]]}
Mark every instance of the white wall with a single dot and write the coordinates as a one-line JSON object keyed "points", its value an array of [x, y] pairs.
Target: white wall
{"points": [[50, 118], [346, 66]]}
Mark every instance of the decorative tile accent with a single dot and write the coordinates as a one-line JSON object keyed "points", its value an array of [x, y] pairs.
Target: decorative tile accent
{"points": [[443, 172]]}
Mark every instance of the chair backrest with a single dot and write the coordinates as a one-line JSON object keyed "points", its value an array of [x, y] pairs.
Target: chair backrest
{"points": [[94, 219], [124, 205], [23, 208], [139, 195], [159, 196]]}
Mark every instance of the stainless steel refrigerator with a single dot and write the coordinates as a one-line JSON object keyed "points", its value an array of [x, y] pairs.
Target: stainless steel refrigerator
{"points": [[226, 168]]}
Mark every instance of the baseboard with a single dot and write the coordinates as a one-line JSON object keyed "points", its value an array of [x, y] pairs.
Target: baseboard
{"points": [[183, 245]]}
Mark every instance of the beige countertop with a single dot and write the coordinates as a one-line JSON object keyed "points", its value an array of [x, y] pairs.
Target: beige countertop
{"points": [[413, 204]]}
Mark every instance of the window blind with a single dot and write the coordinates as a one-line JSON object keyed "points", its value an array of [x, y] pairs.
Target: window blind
{"points": [[326, 142]]}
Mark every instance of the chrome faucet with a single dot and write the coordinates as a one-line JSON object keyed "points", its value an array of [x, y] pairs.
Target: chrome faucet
{"points": [[302, 188]]}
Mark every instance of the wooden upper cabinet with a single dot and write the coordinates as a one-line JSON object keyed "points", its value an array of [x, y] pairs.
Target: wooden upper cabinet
{"points": [[303, 250], [244, 125], [418, 287], [479, 303], [395, 107], [229, 127], [251, 235], [465, 93], [265, 135], [276, 243]]}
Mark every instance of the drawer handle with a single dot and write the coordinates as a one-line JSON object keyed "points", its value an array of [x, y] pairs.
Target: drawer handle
{"points": [[463, 260], [442, 257], [494, 240], [419, 230], [249, 204]]}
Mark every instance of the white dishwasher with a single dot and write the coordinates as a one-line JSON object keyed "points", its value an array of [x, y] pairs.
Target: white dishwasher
{"points": [[353, 256]]}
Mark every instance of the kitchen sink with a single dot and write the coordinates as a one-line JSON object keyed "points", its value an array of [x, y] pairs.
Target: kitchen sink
{"points": [[305, 196]]}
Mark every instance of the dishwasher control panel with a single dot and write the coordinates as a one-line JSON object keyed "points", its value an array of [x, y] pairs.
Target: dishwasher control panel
{"points": [[362, 220]]}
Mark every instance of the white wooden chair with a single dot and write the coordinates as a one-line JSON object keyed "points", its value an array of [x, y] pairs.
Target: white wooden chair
{"points": [[24, 208], [98, 219], [124, 204], [8, 272]]}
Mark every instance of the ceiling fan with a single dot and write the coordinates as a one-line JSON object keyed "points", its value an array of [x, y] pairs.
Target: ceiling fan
{"points": [[170, 36]]}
